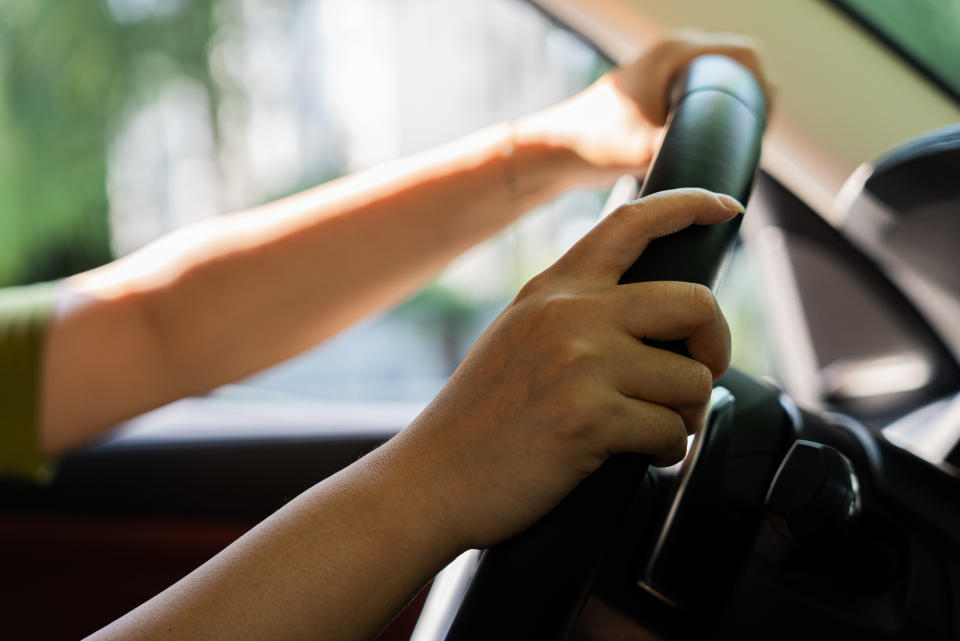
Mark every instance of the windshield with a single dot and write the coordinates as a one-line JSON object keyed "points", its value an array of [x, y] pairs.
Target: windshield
{"points": [[926, 31]]}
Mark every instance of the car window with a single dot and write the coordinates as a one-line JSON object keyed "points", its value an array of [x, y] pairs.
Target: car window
{"points": [[926, 31], [126, 119], [383, 79]]}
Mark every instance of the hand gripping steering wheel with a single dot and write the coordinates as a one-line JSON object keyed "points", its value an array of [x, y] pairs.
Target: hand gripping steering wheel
{"points": [[534, 585]]}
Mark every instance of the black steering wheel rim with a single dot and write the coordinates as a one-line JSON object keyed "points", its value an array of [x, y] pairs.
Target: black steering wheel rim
{"points": [[534, 585]]}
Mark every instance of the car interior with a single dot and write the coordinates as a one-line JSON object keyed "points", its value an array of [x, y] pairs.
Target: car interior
{"points": [[822, 496]]}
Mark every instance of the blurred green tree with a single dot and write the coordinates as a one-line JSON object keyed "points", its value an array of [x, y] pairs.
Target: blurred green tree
{"points": [[68, 70]]}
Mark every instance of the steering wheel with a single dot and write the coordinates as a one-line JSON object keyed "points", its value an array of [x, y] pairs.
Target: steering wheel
{"points": [[534, 585]]}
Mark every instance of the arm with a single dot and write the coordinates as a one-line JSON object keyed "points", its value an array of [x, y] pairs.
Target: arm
{"points": [[227, 297], [559, 381]]}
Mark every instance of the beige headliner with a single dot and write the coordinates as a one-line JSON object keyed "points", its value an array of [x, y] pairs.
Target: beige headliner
{"points": [[843, 98]]}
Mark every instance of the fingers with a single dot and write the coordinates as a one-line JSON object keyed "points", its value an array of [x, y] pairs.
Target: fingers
{"points": [[644, 399], [648, 79], [619, 239], [671, 311], [647, 428], [657, 376], [746, 54], [605, 345], [668, 311]]}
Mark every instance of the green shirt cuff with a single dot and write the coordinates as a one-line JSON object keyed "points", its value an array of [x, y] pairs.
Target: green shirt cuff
{"points": [[24, 314]]}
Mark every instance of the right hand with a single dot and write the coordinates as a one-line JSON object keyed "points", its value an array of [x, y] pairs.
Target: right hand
{"points": [[562, 378], [614, 125]]}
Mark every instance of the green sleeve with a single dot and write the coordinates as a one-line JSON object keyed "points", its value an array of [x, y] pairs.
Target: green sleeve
{"points": [[24, 312]]}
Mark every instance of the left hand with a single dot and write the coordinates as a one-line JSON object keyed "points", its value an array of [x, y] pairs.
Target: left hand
{"points": [[613, 126]]}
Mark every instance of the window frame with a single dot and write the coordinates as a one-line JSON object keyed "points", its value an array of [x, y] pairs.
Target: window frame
{"points": [[869, 26]]}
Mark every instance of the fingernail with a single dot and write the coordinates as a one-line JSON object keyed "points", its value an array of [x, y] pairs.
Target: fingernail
{"points": [[730, 204]]}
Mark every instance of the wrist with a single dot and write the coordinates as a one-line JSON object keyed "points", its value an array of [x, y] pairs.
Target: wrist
{"points": [[599, 133], [544, 152], [412, 491]]}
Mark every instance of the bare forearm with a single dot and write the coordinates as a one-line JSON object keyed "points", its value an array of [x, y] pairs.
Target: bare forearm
{"points": [[225, 298], [336, 563], [514, 430], [300, 270]]}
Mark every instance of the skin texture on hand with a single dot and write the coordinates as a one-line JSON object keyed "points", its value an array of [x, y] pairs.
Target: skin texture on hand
{"points": [[180, 313], [647, 79], [559, 381], [562, 378], [224, 298]]}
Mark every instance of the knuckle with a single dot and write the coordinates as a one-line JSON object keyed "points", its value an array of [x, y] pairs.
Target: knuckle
{"points": [[675, 438], [678, 440], [534, 286], [696, 422], [624, 213], [562, 308], [722, 353], [673, 444], [677, 429], [702, 383], [701, 301], [622, 209], [576, 356], [578, 413], [723, 362], [693, 417], [569, 364], [627, 213]]}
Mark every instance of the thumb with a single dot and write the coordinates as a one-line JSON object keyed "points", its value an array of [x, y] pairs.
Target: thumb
{"points": [[618, 240]]}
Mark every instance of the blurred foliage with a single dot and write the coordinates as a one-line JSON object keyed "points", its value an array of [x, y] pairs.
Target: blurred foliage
{"points": [[446, 314], [438, 298], [928, 30], [68, 70]]}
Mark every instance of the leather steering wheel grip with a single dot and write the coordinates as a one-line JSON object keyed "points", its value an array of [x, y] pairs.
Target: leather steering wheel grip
{"points": [[534, 585], [713, 142]]}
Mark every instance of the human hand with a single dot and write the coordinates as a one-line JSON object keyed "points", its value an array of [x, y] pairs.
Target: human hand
{"points": [[613, 126], [562, 379]]}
